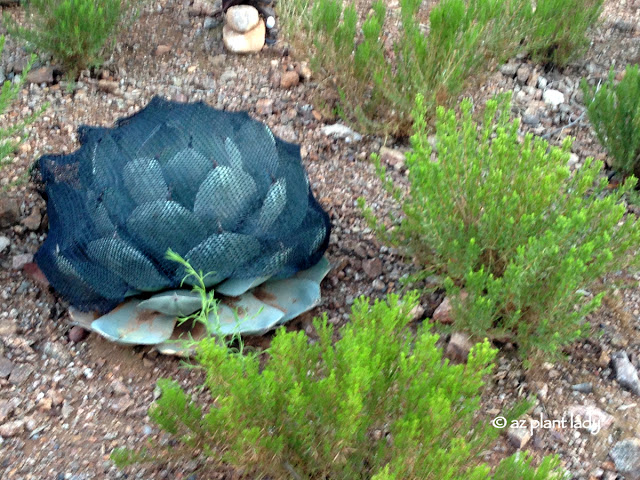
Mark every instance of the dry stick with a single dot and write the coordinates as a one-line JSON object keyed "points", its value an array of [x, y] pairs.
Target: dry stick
{"points": [[547, 136]]}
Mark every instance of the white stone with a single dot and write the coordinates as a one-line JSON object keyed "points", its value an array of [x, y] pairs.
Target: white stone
{"points": [[249, 42], [553, 97], [242, 18], [4, 243], [339, 130], [271, 22]]}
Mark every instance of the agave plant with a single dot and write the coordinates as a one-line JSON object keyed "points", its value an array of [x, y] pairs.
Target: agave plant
{"points": [[217, 188]]}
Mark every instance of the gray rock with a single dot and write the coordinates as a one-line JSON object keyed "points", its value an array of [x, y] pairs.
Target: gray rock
{"points": [[21, 260], [590, 417], [9, 211], [458, 347], [509, 69], [12, 429], [626, 373], [4, 243], [338, 130], [542, 83], [228, 75], [20, 374], [626, 456], [242, 18], [395, 158], [6, 366], [519, 436], [532, 120], [210, 23], [582, 387], [553, 97], [373, 267], [66, 410], [523, 73]]}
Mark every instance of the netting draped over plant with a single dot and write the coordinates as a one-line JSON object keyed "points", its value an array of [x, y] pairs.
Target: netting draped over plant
{"points": [[216, 187]]}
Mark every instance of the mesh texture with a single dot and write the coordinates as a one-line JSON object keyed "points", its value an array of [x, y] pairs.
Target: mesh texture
{"points": [[216, 187]]}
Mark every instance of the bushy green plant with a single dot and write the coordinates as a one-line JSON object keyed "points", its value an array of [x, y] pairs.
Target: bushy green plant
{"points": [[10, 138], [378, 403], [378, 87], [73, 31], [559, 29], [614, 113], [506, 221]]}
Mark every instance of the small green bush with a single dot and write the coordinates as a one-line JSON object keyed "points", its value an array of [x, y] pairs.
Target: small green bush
{"points": [[377, 404], [614, 112], [73, 31], [506, 221], [378, 87], [11, 138], [559, 29]]}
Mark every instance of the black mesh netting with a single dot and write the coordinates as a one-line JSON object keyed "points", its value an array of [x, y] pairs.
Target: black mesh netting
{"points": [[216, 187]]}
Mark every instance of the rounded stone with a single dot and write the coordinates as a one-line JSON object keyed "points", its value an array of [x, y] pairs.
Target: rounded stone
{"points": [[248, 42], [242, 18]]}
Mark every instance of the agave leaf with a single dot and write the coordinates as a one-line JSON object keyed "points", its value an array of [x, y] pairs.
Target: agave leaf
{"points": [[233, 154], [235, 287], [127, 262], [226, 197], [317, 272], [177, 303], [246, 315], [128, 325], [293, 296], [144, 180], [161, 225], [81, 319], [184, 172], [182, 338], [220, 255]]}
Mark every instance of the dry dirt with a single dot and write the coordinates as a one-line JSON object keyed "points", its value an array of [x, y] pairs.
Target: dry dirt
{"points": [[69, 404]]}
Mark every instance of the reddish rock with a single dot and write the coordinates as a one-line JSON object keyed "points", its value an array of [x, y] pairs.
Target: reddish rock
{"points": [[264, 106], [162, 49], [9, 211], [32, 271], [289, 79], [77, 334], [458, 347], [372, 267], [40, 75]]}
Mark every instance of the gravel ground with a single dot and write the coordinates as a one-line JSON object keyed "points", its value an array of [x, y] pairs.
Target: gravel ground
{"points": [[64, 406]]}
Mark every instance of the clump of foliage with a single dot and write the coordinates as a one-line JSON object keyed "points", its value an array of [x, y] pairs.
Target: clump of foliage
{"points": [[559, 29], [614, 112], [73, 31], [377, 404], [379, 82], [378, 79], [506, 221], [11, 137]]}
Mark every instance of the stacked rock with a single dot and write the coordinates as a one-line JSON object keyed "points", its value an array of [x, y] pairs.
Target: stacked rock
{"points": [[244, 30]]}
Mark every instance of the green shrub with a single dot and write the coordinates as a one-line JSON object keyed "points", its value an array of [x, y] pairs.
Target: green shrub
{"points": [[559, 29], [73, 31], [614, 112], [11, 137], [506, 221], [377, 87], [377, 404]]}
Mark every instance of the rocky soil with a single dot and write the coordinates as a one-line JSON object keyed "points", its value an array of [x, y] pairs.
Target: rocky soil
{"points": [[67, 401]]}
